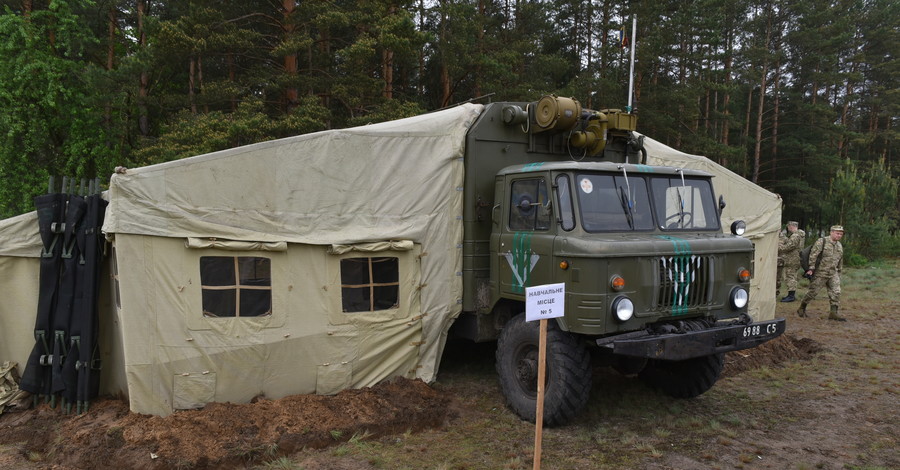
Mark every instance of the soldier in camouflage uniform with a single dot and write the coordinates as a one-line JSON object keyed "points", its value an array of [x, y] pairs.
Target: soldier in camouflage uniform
{"points": [[789, 251], [825, 261]]}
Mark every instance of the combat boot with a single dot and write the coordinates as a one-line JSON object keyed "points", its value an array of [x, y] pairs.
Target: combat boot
{"points": [[834, 314], [801, 312], [789, 298]]}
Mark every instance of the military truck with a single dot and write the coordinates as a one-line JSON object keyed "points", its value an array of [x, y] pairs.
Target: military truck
{"points": [[555, 193]]}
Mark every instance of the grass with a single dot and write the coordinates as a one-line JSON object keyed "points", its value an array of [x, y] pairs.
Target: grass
{"points": [[281, 463]]}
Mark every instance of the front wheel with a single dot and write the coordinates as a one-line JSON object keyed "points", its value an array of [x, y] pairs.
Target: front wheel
{"points": [[568, 371], [684, 379]]}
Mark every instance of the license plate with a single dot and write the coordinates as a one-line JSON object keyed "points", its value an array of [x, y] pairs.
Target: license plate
{"points": [[760, 329]]}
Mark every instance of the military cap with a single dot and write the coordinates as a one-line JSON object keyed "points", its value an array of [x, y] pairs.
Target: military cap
{"points": [[837, 228], [793, 222]]}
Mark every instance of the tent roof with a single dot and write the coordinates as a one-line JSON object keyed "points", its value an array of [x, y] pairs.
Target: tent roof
{"points": [[20, 236], [314, 188]]}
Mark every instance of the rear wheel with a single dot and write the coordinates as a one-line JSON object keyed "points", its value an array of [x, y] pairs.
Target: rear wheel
{"points": [[568, 371], [684, 379]]}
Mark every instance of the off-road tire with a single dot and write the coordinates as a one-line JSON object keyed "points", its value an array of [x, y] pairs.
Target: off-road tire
{"points": [[684, 379], [568, 371]]}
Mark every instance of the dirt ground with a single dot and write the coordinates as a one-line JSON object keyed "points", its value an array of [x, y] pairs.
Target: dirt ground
{"points": [[835, 385]]}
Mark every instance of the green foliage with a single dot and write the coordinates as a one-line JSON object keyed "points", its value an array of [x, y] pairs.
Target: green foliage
{"points": [[194, 134], [49, 122], [866, 204], [388, 110], [78, 100]]}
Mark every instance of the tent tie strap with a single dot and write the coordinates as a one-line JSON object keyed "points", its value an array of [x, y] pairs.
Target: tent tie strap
{"points": [[46, 359], [49, 252]]}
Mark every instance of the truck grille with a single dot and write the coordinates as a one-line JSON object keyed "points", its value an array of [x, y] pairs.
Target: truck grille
{"points": [[685, 281]]}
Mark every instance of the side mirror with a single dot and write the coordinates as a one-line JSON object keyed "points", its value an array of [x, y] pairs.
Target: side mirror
{"points": [[721, 204]]}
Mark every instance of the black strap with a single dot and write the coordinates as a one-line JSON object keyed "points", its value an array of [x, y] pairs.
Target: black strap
{"points": [[50, 214], [821, 250]]}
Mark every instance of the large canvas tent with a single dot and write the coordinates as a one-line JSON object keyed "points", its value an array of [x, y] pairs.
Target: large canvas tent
{"points": [[301, 225]]}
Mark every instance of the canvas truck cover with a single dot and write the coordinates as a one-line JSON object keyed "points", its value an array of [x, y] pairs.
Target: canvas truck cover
{"points": [[301, 206], [759, 208]]}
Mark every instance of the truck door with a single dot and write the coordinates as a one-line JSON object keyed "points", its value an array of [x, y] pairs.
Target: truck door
{"points": [[524, 254]]}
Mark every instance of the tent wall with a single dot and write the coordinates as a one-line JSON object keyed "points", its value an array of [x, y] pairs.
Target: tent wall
{"points": [[19, 278], [175, 357], [759, 208], [398, 180]]}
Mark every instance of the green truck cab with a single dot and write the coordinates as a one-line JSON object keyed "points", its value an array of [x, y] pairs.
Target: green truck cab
{"points": [[558, 194]]}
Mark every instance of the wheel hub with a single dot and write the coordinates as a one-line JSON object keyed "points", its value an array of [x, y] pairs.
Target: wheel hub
{"points": [[527, 371]]}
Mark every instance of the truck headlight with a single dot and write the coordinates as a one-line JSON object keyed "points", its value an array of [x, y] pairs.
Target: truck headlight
{"points": [[738, 227], [623, 308], [739, 298]]}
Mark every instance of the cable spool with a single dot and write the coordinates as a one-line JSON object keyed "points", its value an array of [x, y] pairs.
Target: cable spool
{"points": [[554, 113]]}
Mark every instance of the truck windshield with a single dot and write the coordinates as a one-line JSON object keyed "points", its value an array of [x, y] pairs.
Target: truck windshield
{"points": [[610, 203], [618, 202], [684, 204]]}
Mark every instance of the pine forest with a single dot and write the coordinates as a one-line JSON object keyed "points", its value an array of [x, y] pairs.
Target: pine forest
{"points": [[799, 96]]}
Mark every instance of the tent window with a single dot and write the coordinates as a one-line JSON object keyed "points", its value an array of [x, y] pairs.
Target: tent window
{"points": [[236, 286], [370, 284]]}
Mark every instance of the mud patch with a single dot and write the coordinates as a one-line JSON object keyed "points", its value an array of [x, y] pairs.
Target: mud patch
{"points": [[785, 348]]}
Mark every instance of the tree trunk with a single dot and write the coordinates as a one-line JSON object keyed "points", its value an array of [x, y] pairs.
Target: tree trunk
{"points": [[420, 88], [726, 100], [843, 145], [445, 71], [387, 71], [110, 57], [232, 76], [476, 89], [200, 82], [192, 72], [760, 110], [290, 60], [776, 105], [144, 84]]}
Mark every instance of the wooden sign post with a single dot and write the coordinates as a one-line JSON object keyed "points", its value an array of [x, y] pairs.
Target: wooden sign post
{"points": [[542, 303]]}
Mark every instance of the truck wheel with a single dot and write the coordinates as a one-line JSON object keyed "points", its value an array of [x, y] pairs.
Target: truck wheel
{"points": [[684, 379], [568, 371]]}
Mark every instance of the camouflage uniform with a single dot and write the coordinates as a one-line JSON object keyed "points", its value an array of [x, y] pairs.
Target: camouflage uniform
{"points": [[827, 274], [780, 273], [789, 252]]}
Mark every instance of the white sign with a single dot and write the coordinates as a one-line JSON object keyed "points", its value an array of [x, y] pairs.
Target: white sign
{"points": [[547, 301]]}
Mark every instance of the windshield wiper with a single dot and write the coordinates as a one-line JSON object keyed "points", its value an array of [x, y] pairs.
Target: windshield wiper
{"points": [[680, 199], [626, 199], [627, 207]]}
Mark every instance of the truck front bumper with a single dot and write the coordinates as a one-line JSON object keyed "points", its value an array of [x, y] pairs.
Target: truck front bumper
{"points": [[691, 344]]}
